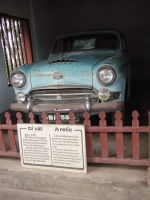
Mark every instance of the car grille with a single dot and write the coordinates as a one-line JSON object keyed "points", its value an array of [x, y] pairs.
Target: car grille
{"points": [[63, 95]]}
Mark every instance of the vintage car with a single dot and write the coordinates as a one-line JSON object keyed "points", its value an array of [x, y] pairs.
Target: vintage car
{"points": [[86, 71]]}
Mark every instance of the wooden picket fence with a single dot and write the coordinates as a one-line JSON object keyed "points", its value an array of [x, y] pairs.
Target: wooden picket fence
{"points": [[9, 138]]}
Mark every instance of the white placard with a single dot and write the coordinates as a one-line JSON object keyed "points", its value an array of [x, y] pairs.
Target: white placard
{"points": [[53, 147]]}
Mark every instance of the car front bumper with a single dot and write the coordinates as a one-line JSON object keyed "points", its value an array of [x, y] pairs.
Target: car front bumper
{"points": [[76, 108]]}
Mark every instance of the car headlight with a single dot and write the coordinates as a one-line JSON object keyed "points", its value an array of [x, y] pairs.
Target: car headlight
{"points": [[18, 79], [104, 94], [106, 75], [20, 97]]}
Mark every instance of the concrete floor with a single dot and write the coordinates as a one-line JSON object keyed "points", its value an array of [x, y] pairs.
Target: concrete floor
{"points": [[11, 194], [103, 182]]}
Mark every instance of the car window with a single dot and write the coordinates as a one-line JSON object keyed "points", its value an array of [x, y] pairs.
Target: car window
{"points": [[103, 41], [81, 44]]}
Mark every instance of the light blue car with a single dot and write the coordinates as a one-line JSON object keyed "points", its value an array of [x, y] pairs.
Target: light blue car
{"points": [[86, 71]]}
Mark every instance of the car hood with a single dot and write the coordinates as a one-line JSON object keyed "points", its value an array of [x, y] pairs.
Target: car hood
{"points": [[73, 69]]}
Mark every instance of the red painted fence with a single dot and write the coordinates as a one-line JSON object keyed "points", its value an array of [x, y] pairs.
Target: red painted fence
{"points": [[9, 139]]}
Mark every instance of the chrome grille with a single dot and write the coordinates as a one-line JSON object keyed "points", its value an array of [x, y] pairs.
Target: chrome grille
{"points": [[62, 95], [58, 97]]}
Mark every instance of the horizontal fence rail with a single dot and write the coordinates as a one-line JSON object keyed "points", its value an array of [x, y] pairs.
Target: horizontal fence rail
{"points": [[99, 139]]}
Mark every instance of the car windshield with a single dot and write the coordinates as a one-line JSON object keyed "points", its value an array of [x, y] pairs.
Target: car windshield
{"points": [[101, 41]]}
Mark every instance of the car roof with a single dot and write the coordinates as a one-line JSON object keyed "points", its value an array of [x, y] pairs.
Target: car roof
{"points": [[90, 32]]}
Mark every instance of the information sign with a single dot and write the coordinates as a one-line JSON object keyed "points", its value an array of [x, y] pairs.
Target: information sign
{"points": [[53, 147]]}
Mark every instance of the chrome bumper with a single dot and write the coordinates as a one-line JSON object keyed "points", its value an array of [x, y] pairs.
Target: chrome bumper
{"points": [[95, 107]]}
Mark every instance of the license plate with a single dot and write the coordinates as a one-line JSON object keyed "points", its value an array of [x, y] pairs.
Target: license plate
{"points": [[63, 117]]}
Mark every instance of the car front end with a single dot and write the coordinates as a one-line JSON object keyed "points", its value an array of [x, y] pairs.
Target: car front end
{"points": [[85, 79]]}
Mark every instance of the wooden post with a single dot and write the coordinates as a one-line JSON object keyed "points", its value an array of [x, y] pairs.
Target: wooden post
{"points": [[89, 146], [58, 120], [44, 117], [135, 137], [10, 133], [19, 117], [2, 144], [31, 116], [119, 136], [103, 136], [71, 116]]}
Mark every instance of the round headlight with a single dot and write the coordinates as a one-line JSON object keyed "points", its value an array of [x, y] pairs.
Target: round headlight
{"points": [[104, 94], [106, 75], [20, 97], [18, 79]]}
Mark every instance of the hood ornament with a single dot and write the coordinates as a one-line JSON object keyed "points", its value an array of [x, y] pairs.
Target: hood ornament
{"points": [[61, 57], [58, 76]]}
